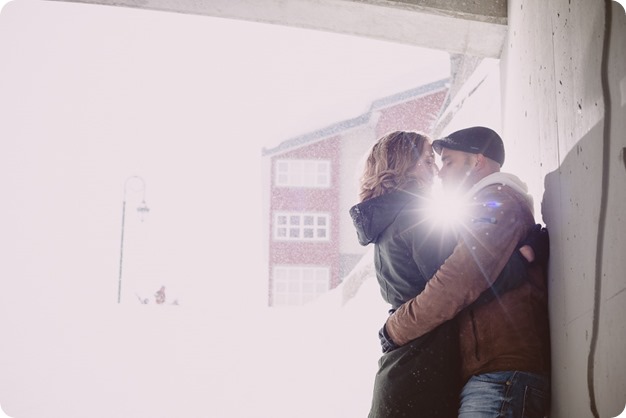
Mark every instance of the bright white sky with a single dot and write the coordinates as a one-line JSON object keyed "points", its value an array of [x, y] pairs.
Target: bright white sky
{"points": [[310, 78]]}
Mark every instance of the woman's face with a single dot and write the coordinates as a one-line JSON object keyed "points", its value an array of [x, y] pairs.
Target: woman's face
{"points": [[426, 169]]}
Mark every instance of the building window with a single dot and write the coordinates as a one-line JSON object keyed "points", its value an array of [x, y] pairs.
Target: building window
{"points": [[301, 226], [297, 285], [303, 173]]}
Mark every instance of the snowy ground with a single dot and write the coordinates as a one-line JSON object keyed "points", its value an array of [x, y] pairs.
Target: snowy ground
{"points": [[172, 361]]}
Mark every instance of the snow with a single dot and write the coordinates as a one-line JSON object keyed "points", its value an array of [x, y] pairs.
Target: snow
{"points": [[163, 360]]}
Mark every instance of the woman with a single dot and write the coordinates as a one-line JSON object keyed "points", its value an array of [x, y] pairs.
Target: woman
{"points": [[420, 379]]}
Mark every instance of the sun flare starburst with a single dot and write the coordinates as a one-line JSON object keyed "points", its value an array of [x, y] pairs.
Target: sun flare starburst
{"points": [[446, 208]]}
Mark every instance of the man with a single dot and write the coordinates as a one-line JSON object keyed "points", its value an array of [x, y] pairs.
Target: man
{"points": [[505, 349]]}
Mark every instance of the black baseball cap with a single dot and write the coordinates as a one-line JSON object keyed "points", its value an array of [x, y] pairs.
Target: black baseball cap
{"points": [[475, 140]]}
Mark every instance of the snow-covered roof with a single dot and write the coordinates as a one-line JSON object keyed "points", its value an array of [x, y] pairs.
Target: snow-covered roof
{"points": [[347, 124]]}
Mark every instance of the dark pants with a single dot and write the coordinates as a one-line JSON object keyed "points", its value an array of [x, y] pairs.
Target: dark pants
{"points": [[420, 379]]}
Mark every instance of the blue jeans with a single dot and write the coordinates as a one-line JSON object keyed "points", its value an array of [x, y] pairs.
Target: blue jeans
{"points": [[506, 395]]}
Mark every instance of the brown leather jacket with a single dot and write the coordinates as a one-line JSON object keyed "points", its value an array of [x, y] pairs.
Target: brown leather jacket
{"points": [[508, 333]]}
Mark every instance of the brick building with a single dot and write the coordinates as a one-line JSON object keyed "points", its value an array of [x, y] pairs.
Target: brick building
{"points": [[313, 181]]}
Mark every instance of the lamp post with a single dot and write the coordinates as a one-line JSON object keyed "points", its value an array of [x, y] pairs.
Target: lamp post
{"points": [[142, 210]]}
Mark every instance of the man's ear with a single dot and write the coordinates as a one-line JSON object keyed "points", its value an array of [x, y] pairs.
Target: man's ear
{"points": [[486, 164], [480, 161]]}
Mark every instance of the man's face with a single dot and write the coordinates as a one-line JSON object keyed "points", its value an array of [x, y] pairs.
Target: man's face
{"points": [[456, 169]]}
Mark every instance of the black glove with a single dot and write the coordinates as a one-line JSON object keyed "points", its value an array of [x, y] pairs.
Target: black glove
{"points": [[386, 342], [539, 241]]}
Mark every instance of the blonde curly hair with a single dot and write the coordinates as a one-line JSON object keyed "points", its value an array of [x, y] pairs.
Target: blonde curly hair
{"points": [[391, 162]]}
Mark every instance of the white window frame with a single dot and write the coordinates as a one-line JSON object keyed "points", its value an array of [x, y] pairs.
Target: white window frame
{"points": [[302, 226], [295, 285], [302, 173]]}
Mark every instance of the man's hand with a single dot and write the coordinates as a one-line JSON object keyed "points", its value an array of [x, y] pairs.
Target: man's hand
{"points": [[386, 342], [528, 253], [536, 246]]}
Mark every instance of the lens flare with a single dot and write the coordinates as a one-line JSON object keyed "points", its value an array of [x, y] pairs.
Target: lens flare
{"points": [[446, 209]]}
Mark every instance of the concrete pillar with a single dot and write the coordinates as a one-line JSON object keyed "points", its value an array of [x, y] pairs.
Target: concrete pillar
{"points": [[564, 116]]}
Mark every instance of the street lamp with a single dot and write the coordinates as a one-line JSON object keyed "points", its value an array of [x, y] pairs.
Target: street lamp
{"points": [[142, 210]]}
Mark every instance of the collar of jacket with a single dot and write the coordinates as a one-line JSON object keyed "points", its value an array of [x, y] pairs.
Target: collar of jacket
{"points": [[374, 215], [505, 179]]}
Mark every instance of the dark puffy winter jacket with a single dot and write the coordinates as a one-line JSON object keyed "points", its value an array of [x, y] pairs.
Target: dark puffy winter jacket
{"points": [[408, 250], [421, 378]]}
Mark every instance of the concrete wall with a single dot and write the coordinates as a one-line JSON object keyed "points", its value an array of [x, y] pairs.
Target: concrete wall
{"points": [[557, 118]]}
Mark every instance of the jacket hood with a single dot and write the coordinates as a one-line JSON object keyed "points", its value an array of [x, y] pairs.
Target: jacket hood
{"points": [[373, 216], [506, 179]]}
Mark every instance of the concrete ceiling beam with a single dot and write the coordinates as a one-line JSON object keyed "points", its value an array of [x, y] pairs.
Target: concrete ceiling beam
{"points": [[475, 28]]}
